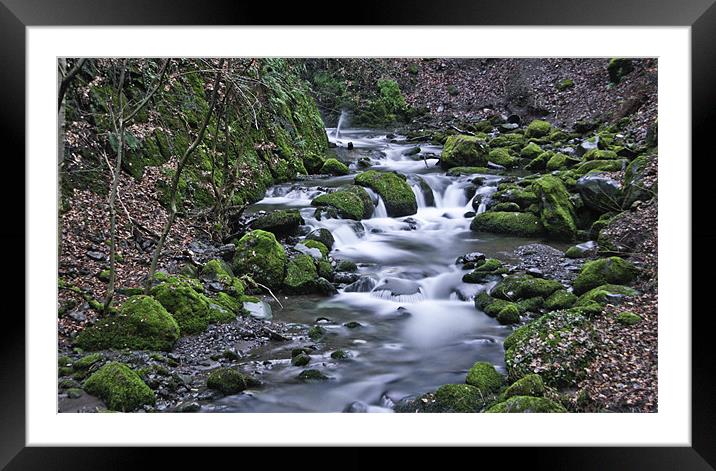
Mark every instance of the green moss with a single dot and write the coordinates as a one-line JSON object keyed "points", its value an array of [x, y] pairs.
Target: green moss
{"points": [[556, 209], [340, 355], [301, 359], [334, 167], [301, 274], [457, 171], [491, 306], [279, 222], [501, 156], [487, 268], [518, 224], [87, 361], [228, 302], [612, 270], [483, 376], [230, 381], [635, 187], [119, 387], [618, 68], [530, 151], [604, 294], [557, 162], [347, 265], [599, 154], [323, 236], [259, 255], [529, 385], [575, 252], [538, 128], [352, 202], [463, 151], [520, 286], [325, 270], [525, 404], [530, 304], [509, 314], [512, 141], [540, 162], [565, 84], [397, 195], [557, 345], [141, 324], [459, 398], [506, 207], [560, 299], [217, 270], [192, 310], [314, 244], [599, 166], [316, 333], [311, 375], [628, 318]]}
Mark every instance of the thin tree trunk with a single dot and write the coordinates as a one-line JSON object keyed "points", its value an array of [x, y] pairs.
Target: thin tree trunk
{"points": [[65, 81], [175, 181], [120, 129]]}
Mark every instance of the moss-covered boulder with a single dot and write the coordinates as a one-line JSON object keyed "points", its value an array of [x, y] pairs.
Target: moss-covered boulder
{"points": [[524, 198], [604, 294], [311, 376], [513, 141], [301, 275], [280, 222], [599, 154], [314, 244], [334, 167], [557, 161], [526, 404], [142, 323], [530, 385], [560, 299], [556, 208], [259, 255], [463, 151], [192, 310], [538, 128], [523, 286], [558, 346], [539, 163], [628, 318], [351, 202], [637, 185], [492, 306], [484, 270], [531, 151], [512, 223], [599, 166], [216, 270], [483, 376], [458, 171], [397, 195], [458, 398], [230, 381], [501, 156], [509, 314], [323, 236], [347, 266], [119, 387], [612, 270]]}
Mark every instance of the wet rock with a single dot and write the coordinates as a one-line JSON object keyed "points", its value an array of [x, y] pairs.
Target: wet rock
{"points": [[356, 407], [398, 287], [345, 278], [353, 325], [583, 250], [470, 260], [259, 310], [311, 375], [600, 192], [363, 285], [322, 235], [99, 256]]}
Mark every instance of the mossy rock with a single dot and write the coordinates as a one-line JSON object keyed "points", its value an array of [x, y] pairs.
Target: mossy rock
{"points": [[514, 194], [525, 404], [228, 302], [628, 318], [491, 306], [323, 236], [557, 162], [316, 333], [347, 266], [351, 202], [531, 151], [87, 361], [599, 166], [599, 154], [340, 355], [458, 171], [280, 222], [142, 323], [314, 244], [119, 387], [539, 163], [506, 207], [604, 294], [259, 255], [325, 269], [618, 68], [560, 299], [397, 195], [193, 311], [556, 209], [564, 84], [612, 270], [311, 375], [463, 151], [518, 224], [217, 270], [559, 345], [509, 314], [501, 156], [538, 128], [458, 398], [484, 270], [530, 385], [483, 376], [522, 286], [230, 381], [301, 274], [635, 186], [513, 141], [533, 304], [313, 162], [302, 359], [334, 167]]}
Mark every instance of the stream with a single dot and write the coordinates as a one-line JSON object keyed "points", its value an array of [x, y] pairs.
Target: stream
{"points": [[419, 327]]}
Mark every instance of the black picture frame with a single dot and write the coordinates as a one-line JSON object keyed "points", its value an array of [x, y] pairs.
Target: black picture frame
{"points": [[700, 15]]}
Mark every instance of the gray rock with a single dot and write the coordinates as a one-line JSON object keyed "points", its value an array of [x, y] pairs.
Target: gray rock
{"points": [[600, 192]]}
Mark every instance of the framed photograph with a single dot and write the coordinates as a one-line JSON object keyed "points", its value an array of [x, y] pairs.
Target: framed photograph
{"points": [[443, 232]]}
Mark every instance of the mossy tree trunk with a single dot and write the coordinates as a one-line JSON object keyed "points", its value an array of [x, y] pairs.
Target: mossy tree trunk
{"points": [[177, 175], [120, 122]]}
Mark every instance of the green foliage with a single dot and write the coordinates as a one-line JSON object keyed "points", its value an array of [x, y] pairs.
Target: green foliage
{"points": [[119, 387]]}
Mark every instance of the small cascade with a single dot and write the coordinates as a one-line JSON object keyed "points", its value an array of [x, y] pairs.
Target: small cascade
{"points": [[419, 196], [380, 210]]}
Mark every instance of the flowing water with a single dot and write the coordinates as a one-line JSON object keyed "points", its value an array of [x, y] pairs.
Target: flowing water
{"points": [[419, 327]]}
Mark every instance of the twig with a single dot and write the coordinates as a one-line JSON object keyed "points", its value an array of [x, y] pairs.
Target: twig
{"points": [[255, 283]]}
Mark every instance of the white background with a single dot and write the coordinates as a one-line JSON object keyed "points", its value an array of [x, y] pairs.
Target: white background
{"points": [[670, 426]]}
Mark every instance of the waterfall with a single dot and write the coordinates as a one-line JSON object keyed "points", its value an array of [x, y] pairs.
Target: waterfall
{"points": [[419, 195], [380, 210], [343, 117]]}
